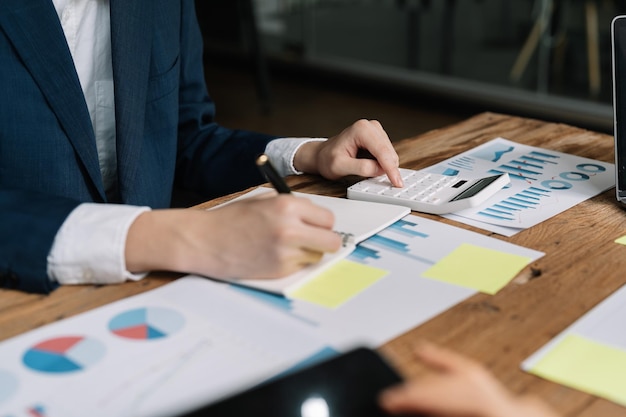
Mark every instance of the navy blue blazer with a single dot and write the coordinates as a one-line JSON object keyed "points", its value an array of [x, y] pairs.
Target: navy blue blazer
{"points": [[165, 126]]}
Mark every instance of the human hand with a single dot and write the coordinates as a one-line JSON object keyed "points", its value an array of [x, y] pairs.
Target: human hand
{"points": [[457, 386], [263, 237], [337, 157]]}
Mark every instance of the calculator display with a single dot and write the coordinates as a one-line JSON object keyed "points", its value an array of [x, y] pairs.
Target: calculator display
{"points": [[475, 188]]}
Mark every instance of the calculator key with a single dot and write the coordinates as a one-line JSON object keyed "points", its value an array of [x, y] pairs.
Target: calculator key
{"points": [[360, 186], [391, 192], [377, 188]]}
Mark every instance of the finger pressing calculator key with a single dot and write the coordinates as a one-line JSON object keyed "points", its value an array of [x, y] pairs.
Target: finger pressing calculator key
{"points": [[428, 192]]}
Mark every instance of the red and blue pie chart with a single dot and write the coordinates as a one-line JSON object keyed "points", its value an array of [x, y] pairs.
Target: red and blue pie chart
{"points": [[64, 354], [147, 323]]}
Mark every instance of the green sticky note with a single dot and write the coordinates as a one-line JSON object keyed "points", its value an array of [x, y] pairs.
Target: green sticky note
{"points": [[621, 240], [586, 365], [337, 284], [485, 270]]}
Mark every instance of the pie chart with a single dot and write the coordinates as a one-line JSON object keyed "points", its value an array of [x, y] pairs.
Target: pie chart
{"points": [[147, 323], [64, 354]]}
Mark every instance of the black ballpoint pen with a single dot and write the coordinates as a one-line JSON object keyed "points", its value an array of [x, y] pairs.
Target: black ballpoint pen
{"points": [[268, 170]]}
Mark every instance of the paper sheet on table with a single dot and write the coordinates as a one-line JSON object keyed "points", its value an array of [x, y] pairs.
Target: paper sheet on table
{"points": [[590, 355], [406, 298], [586, 365], [155, 354], [543, 183]]}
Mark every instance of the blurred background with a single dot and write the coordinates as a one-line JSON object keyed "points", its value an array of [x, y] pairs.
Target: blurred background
{"points": [[311, 67]]}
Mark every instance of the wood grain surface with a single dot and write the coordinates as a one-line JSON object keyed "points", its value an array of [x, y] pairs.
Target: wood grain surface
{"points": [[582, 266]]}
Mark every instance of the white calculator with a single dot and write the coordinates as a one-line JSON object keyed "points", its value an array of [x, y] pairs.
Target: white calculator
{"points": [[429, 193]]}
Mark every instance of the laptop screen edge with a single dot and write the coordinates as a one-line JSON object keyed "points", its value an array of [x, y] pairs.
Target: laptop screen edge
{"points": [[618, 28]]}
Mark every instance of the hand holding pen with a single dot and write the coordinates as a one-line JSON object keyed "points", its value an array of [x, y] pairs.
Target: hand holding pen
{"points": [[278, 182]]}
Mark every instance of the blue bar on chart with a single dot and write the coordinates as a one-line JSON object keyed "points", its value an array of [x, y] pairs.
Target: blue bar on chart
{"points": [[510, 208]]}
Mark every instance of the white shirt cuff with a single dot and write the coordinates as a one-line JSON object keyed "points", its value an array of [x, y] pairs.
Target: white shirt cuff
{"points": [[89, 247], [282, 152]]}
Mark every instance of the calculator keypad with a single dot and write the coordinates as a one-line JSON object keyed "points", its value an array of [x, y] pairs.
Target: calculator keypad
{"points": [[418, 185], [428, 192]]}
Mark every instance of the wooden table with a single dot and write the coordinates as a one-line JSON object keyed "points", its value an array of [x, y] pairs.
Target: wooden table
{"points": [[582, 266]]}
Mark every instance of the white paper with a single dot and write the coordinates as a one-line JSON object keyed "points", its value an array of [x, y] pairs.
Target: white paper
{"points": [[215, 343], [402, 299], [603, 324], [543, 183]]}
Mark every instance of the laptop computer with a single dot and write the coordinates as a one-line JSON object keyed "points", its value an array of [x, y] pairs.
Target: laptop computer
{"points": [[618, 39]]}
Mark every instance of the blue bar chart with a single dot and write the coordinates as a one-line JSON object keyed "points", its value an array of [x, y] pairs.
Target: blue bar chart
{"points": [[405, 231], [511, 207], [543, 183]]}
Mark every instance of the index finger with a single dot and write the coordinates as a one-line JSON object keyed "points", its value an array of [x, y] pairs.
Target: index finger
{"points": [[383, 151]]}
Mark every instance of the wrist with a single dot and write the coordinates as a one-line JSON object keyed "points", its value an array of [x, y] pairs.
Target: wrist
{"points": [[306, 157], [155, 241]]}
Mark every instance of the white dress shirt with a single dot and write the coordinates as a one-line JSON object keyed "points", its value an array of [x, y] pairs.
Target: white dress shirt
{"points": [[89, 246]]}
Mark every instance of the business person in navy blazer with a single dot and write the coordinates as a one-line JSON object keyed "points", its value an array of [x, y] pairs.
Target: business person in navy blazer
{"points": [[165, 135]]}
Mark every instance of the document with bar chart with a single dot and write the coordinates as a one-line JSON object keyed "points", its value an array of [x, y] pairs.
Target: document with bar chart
{"points": [[397, 279], [543, 183]]}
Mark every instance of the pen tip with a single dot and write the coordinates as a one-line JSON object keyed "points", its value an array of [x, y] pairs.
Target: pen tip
{"points": [[262, 159]]}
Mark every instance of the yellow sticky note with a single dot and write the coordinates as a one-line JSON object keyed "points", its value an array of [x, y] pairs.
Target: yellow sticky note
{"points": [[482, 269], [338, 284], [621, 240], [586, 365]]}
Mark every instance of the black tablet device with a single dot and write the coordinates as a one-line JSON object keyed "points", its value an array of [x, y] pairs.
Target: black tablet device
{"points": [[344, 386], [618, 38]]}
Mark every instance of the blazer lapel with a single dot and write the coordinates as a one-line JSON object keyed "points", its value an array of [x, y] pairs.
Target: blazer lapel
{"points": [[36, 33], [131, 23]]}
